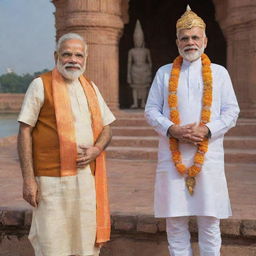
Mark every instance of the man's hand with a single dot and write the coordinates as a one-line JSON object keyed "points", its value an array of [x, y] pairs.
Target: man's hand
{"points": [[87, 155], [181, 132], [198, 133], [24, 141], [30, 191]]}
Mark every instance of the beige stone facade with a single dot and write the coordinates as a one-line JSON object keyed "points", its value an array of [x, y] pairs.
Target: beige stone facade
{"points": [[101, 22]]}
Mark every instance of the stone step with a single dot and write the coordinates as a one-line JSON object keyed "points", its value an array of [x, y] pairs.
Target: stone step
{"points": [[247, 126], [130, 246], [231, 249], [240, 142], [240, 156], [130, 122], [245, 142], [20, 246], [133, 131], [129, 241], [143, 153], [132, 153], [243, 129], [134, 141], [240, 130]]}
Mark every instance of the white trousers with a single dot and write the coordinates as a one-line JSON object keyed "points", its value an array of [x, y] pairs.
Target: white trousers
{"points": [[209, 237]]}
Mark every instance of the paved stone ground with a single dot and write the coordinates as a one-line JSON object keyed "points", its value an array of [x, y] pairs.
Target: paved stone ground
{"points": [[130, 185]]}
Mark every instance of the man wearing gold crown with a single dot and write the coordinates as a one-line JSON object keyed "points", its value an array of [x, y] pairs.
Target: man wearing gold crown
{"points": [[191, 105]]}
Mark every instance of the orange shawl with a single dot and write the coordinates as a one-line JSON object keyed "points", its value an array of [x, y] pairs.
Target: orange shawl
{"points": [[68, 148]]}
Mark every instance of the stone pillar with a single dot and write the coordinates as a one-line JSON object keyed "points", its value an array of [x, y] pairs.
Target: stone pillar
{"points": [[100, 23], [238, 22]]}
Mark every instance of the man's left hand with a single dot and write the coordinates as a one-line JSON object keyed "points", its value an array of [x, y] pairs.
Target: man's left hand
{"points": [[87, 155]]}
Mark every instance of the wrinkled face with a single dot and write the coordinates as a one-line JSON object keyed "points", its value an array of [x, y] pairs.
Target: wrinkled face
{"points": [[191, 43], [71, 59]]}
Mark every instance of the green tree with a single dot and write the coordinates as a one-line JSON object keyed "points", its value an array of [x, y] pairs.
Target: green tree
{"points": [[13, 83], [10, 83]]}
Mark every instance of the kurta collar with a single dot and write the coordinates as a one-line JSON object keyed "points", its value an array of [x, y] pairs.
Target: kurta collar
{"points": [[195, 65]]}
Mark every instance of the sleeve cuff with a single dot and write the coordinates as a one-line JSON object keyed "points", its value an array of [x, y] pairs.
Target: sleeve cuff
{"points": [[164, 126]]}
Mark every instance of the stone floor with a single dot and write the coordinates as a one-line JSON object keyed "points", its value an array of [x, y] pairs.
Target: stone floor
{"points": [[130, 185]]}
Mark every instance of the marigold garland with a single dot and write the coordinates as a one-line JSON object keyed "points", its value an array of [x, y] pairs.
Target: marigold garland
{"points": [[202, 147]]}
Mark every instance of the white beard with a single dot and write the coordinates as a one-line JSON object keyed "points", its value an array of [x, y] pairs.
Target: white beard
{"points": [[193, 55], [68, 74]]}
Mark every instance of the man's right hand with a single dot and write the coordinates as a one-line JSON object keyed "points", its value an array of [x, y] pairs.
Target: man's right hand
{"points": [[181, 132], [30, 191]]}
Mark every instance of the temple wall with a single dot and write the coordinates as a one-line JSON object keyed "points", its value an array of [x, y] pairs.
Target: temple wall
{"points": [[10, 103], [238, 22], [101, 22]]}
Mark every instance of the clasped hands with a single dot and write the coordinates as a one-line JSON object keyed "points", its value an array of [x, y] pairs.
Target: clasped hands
{"points": [[190, 133], [86, 155]]}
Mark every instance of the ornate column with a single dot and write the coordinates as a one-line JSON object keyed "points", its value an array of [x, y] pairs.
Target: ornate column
{"points": [[238, 22], [100, 23]]}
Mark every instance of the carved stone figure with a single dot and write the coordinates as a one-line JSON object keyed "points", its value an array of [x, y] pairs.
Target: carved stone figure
{"points": [[139, 68]]}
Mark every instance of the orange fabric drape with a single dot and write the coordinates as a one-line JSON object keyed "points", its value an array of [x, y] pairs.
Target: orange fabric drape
{"points": [[65, 125], [68, 151]]}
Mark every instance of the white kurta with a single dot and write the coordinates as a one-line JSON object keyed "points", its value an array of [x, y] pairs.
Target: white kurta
{"points": [[64, 223], [210, 197]]}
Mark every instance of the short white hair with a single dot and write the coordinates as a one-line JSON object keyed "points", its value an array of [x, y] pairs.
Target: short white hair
{"points": [[70, 36]]}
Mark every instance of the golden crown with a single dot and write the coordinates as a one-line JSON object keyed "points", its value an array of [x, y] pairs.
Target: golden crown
{"points": [[188, 20]]}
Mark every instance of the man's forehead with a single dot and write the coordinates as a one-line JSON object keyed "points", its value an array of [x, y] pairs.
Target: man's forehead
{"points": [[72, 44], [191, 31]]}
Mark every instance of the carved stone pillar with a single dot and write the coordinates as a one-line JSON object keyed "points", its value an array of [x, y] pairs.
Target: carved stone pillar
{"points": [[100, 23], [238, 22]]}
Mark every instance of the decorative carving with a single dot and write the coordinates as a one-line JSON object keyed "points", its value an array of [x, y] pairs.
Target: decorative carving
{"points": [[139, 68]]}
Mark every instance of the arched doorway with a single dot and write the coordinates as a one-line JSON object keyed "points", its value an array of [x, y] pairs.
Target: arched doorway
{"points": [[158, 19]]}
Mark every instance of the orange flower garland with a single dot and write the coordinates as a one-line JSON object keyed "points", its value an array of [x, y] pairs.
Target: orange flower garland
{"points": [[202, 147]]}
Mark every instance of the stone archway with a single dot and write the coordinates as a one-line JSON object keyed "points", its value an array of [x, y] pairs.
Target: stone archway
{"points": [[158, 19]]}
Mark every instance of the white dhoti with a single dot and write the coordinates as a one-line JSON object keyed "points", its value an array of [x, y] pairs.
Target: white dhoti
{"points": [[64, 223]]}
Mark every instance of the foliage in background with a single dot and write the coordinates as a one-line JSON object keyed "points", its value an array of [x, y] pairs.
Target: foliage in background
{"points": [[13, 83]]}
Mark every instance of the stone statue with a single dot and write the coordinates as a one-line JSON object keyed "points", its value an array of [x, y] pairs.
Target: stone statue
{"points": [[139, 68]]}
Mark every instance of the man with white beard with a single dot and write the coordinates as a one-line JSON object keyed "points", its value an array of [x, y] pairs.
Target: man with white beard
{"points": [[191, 105], [64, 129]]}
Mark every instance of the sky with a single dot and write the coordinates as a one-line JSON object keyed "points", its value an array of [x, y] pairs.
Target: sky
{"points": [[27, 35]]}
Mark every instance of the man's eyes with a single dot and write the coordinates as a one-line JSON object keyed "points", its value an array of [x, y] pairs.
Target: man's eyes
{"points": [[186, 39], [195, 38], [79, 55], [67, 54]]}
